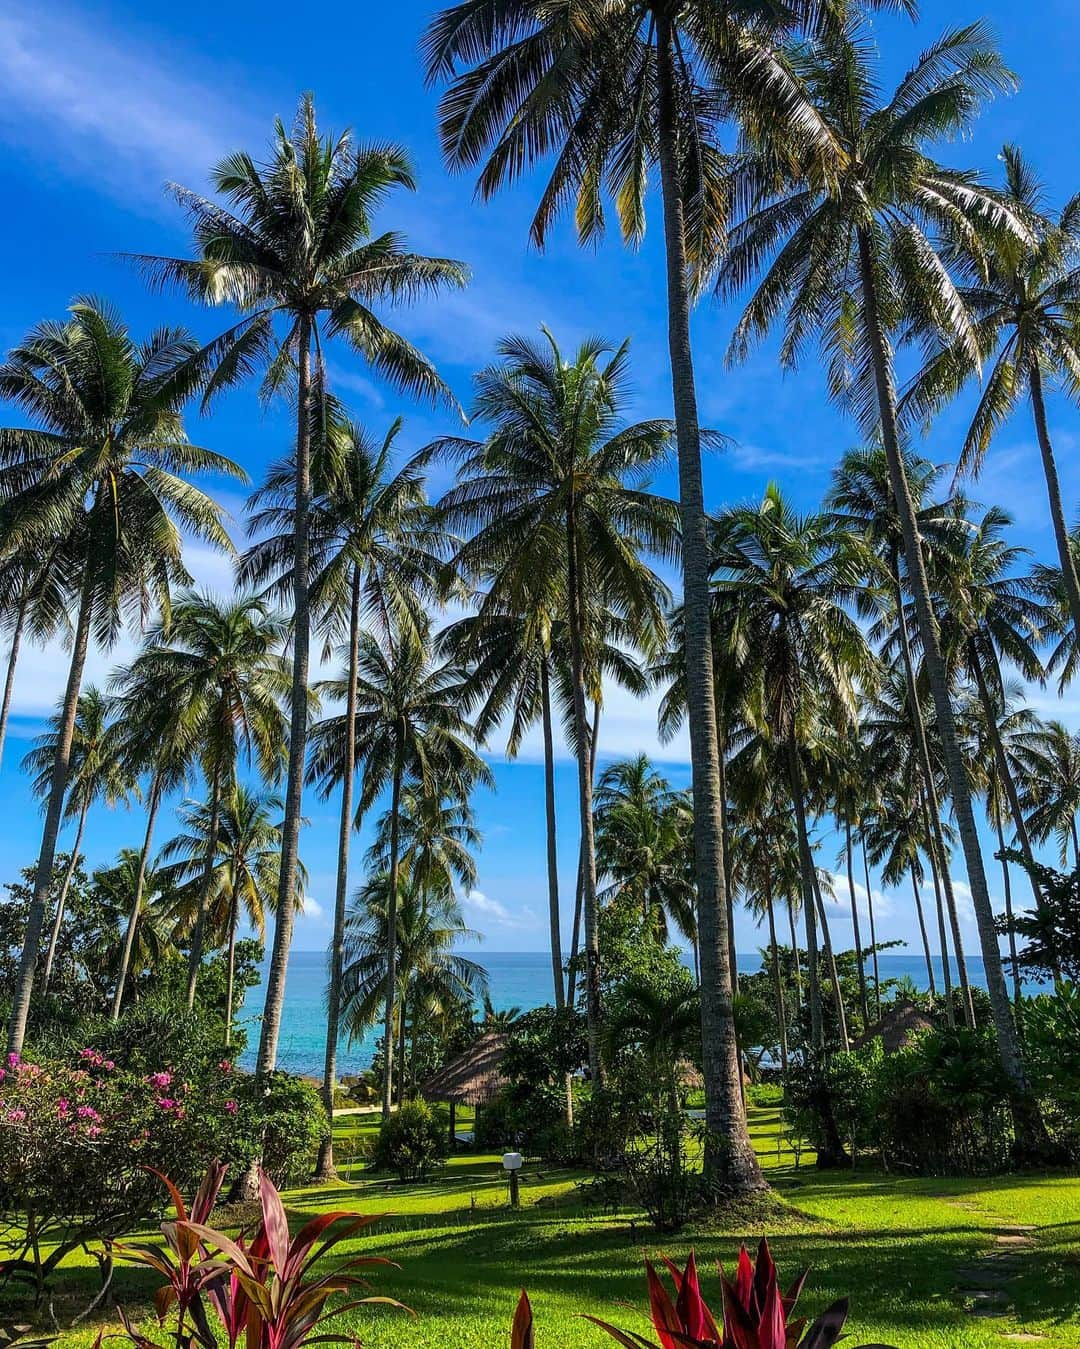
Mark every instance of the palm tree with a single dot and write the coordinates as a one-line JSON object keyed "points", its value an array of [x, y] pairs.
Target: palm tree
{"points": [[374, 561], [851, 258], [96, 773], [410, 728], [98, 477], [789, 582], [663, 1026], [34, 591], [612, 93], [992, 615], [895, 839], [156, 739], [862, 498], [643, 833], [293, 250], [246, 840], [431, 978], [1024, 305], [217, 665], [557, 490], [154, 931], [1051, 796]]}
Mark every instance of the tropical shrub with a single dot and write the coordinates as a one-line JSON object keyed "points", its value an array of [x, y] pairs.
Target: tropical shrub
{"points": [[412, 1141], [1052, 1041], [283, 1120], [756, 1315], [262, 1292], [76, 1139]]}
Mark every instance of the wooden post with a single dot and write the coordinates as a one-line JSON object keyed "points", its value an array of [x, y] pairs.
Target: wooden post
{"points": [[453, 1125]]}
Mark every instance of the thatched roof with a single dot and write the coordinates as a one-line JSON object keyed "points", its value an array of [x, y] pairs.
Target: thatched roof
{"points": [[471, 1077], [896, 1028]]}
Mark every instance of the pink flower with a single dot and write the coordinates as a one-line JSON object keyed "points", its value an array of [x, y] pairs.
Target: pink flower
{"points": [[3, 1074], [231, 1107], [13, 1060], [16, 1116], [108, 1065], [225, 1066], [93, 1131], [63, 1108], [87, 1112], [166, 1103], [160, 1080]]}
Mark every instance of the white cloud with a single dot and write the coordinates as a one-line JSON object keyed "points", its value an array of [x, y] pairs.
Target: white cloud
{"points": [[124, 117], [495, 914], [312, 911]]}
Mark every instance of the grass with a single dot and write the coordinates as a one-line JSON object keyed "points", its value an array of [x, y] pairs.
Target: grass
{"points": [[903, 1249]]}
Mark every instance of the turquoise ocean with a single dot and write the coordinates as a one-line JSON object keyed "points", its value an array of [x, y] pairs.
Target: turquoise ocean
{"points": [[517, 979]]}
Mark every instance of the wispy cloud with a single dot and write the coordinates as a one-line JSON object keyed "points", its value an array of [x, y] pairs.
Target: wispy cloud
{"points": [[116, 112], [495, 914]]}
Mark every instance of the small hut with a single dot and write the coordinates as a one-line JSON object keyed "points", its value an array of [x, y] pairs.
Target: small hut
{"points": [[897, 1028], [472, 1077]]}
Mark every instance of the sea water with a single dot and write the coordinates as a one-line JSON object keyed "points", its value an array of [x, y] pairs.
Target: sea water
{"points": [[516, 978]]}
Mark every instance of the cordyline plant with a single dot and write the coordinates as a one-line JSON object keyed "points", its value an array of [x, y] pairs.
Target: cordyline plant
{"points": [[756, 1314], [263, 1292]]}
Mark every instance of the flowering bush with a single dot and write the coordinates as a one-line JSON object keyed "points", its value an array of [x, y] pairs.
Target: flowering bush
{"points": [[76, 1138]]}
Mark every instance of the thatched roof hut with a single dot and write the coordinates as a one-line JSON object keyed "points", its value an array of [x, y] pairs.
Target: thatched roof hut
{"points": [[472, 1077], [896, 1029]]}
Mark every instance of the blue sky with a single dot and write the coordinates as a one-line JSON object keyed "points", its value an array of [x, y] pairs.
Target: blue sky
{"points": [[105, 102]]}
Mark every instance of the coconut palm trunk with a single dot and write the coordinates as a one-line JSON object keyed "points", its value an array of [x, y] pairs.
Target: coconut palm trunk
{"points": [[13, 660], [20, 1008], [1053, 491], [806, 871], [864, 1004], [931, 980], [274, 1001], [61, 899], [391, 938], [230, 963], [943, 936], [575, 934], [1008, 1041], [585, 780], [796, 961], [324, 1168], [830, 963], [1005, 777], [873, 931], [136, 902], [939, 859], [774, 961], [730, 1155], [552, 854], [198, 937], [1006, 880]]}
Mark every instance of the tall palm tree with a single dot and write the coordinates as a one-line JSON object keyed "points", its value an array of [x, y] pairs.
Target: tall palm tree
{"points": [[156, 741], [643, 833], [991, 615], [99, 475], [431, 977], [1024, 304], [558, 488], [862, 497], [374, 562], [246, 834], [1051, 796], [612, 93], [790, 582], [411, 728], [896, 839], [218, 665], [96, 773], [852, 258], [662, 1025], [293, 250], [34, 591]]}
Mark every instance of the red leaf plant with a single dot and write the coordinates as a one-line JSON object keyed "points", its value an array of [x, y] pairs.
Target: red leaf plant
{"points": [[263, 1292], [756, 1314]]}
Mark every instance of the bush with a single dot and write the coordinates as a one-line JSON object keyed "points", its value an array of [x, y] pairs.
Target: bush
{"points": [[286, 1113], [76, 1139], [412, 1141]]}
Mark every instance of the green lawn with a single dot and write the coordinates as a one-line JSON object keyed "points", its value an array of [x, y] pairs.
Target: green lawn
{"points": [[905, 1251]]}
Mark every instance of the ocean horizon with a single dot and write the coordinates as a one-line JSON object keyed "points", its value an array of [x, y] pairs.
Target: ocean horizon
{"points": [[516, 979]]}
